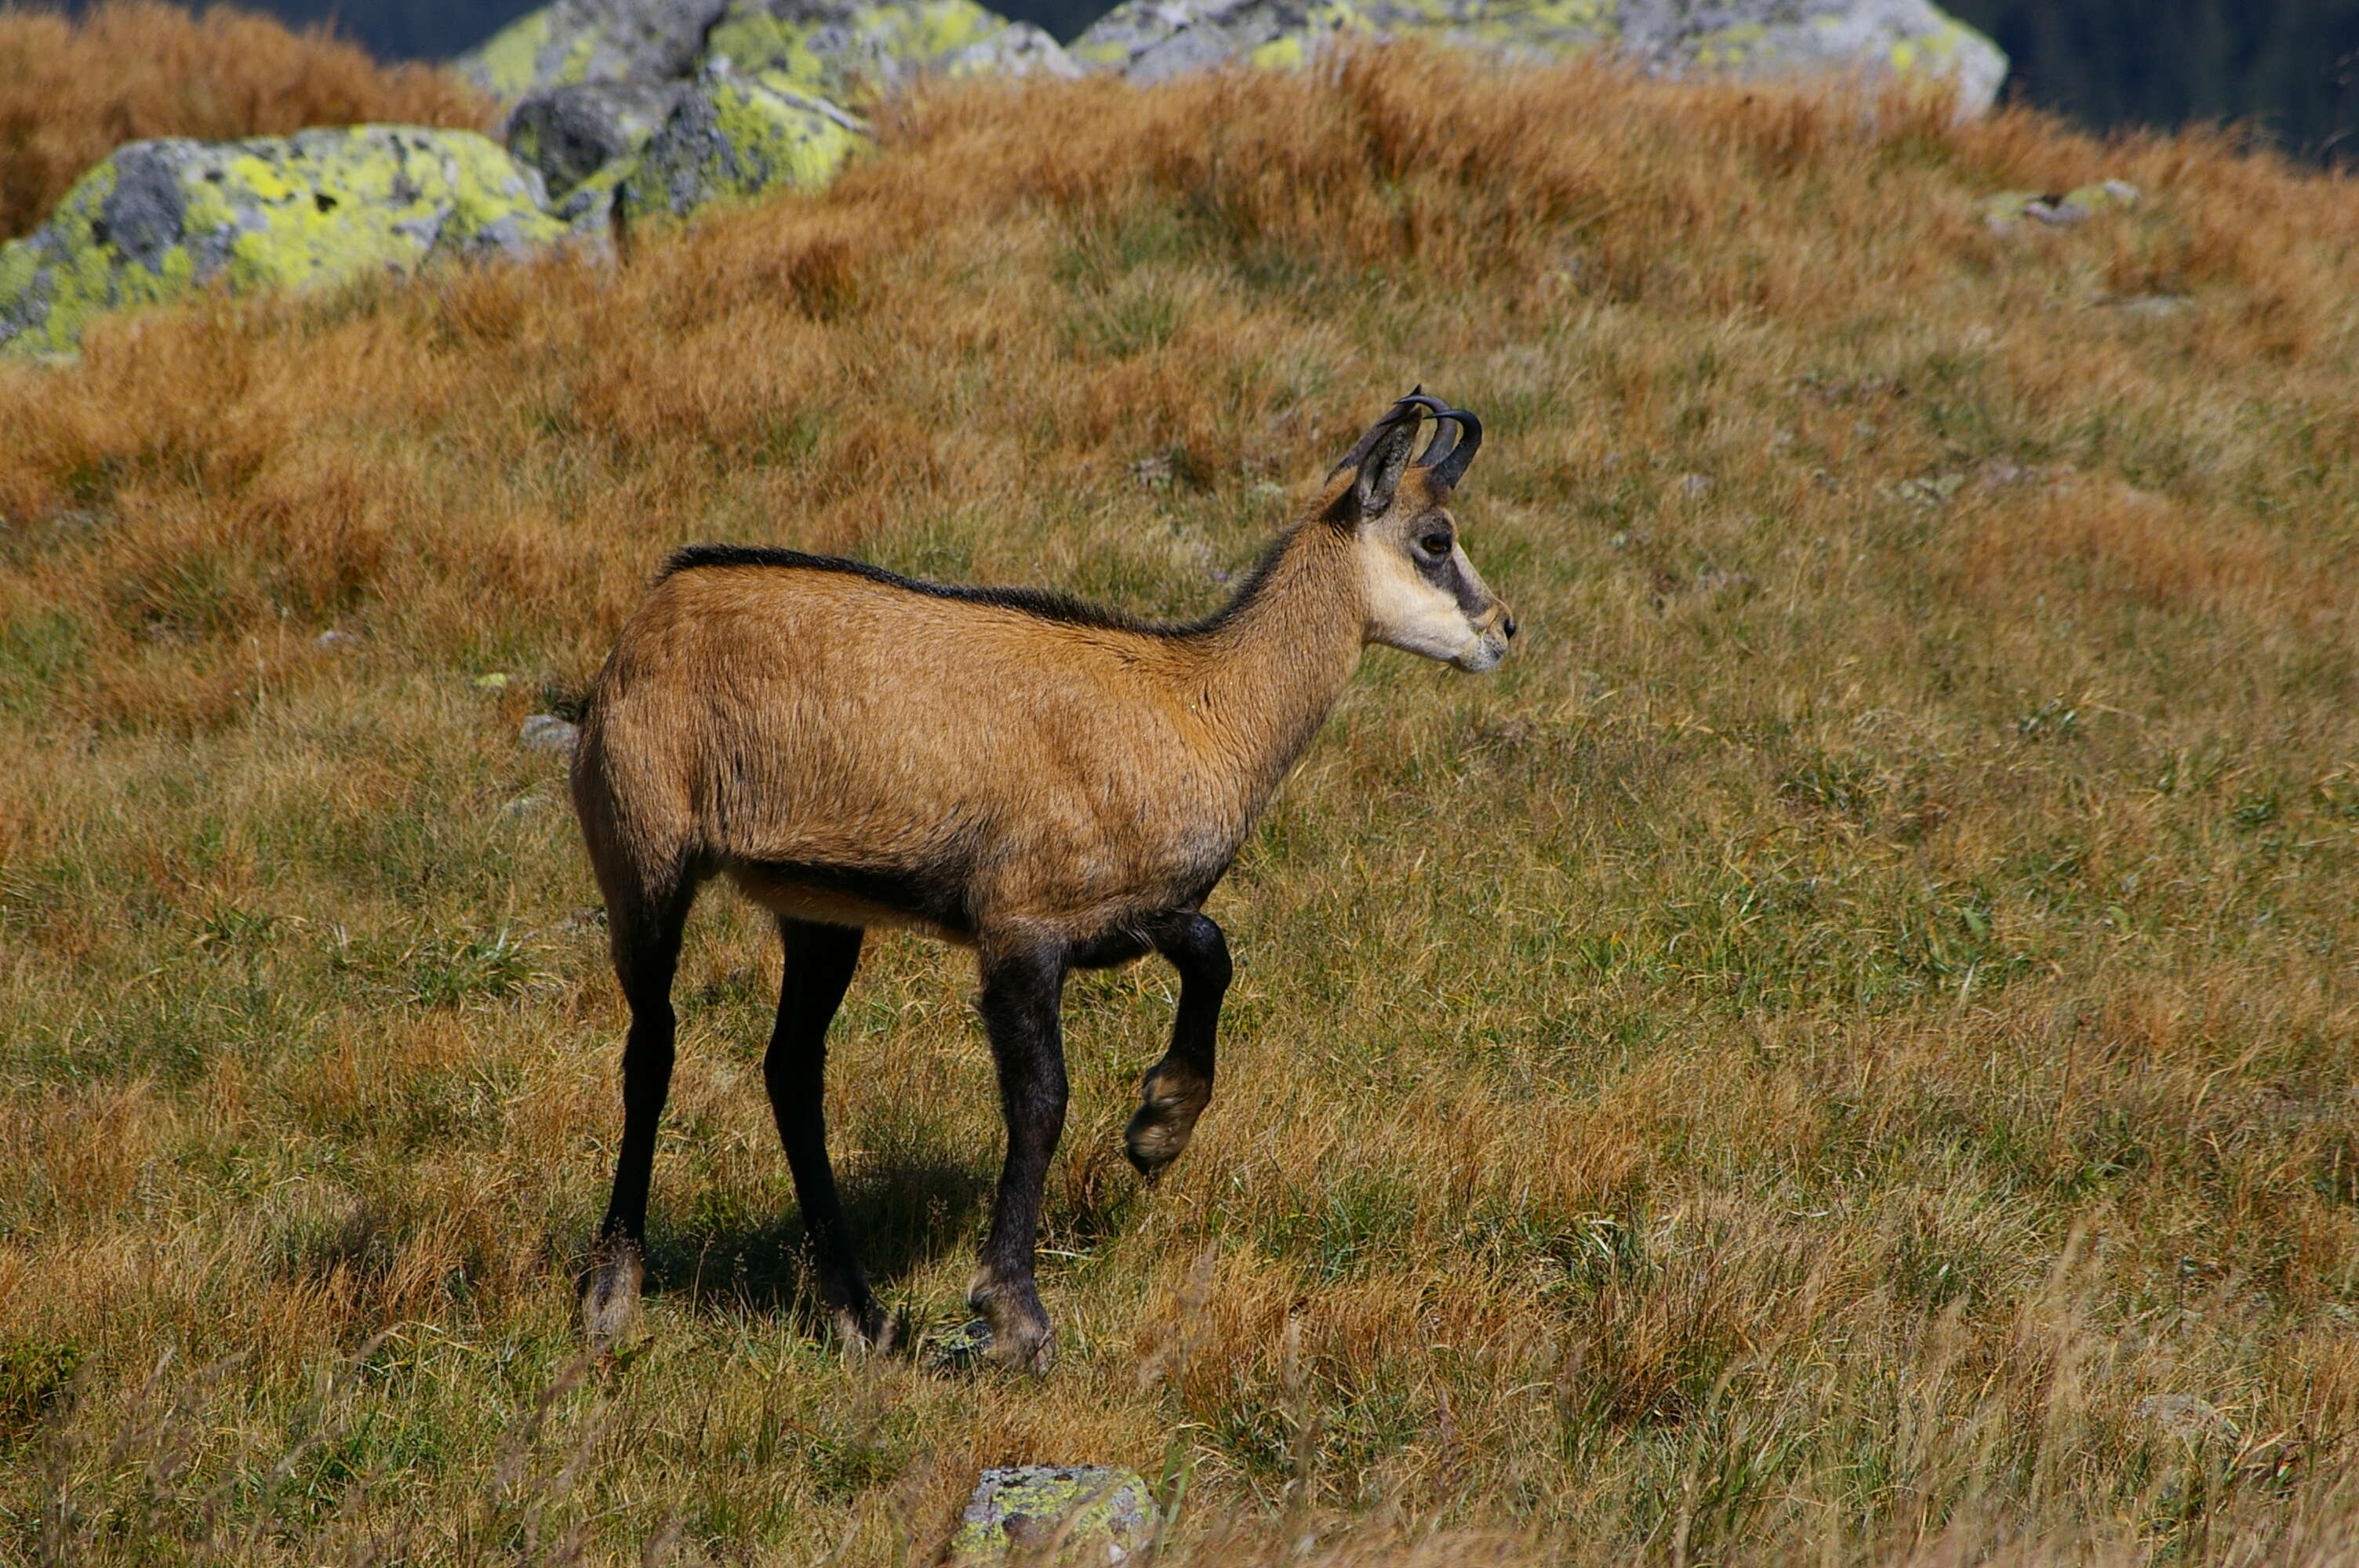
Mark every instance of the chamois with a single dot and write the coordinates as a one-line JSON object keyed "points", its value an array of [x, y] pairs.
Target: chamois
{"points": [[1056, 786]]}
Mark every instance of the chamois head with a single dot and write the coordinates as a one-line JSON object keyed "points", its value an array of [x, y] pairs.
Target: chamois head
{"points": [[1420, 591]]}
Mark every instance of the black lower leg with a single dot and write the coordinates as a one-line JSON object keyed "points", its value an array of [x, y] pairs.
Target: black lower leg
{"points": [[1177, 1090], [1021, 994], [646, 952], [819, 960]]}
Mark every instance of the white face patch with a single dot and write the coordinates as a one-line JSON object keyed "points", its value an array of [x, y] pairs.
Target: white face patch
{"points": [[1419, 609]]}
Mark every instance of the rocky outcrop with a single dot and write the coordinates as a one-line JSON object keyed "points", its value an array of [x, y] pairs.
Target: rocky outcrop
{"points": [[1770, 39], [850, 51], [159, 220], [1152, 40], [733, 137], [575, 41], [570, 133], [655, 107], [840, 49]]}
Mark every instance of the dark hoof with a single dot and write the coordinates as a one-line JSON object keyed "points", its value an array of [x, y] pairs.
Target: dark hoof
{"points": [[610, 1307], [1032, 1352], [1159, 1134], [863, 1330], [1014, 1329]]}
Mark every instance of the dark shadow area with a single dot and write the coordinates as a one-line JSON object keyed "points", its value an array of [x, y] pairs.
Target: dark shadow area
{"points": [[904, 1215]]}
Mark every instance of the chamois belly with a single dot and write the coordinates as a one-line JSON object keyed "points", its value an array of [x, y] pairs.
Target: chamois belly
{"points": [[1075, 885]]}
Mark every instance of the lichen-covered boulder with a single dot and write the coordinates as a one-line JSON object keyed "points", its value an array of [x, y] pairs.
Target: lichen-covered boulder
{"points": [[848, 50], [160, 219], [1765, 40], [1519, 29], [736, 137], [570, 133], [1154, 40], [591, 41], [1019, 48], [1150, 40], [1089, 1513]]}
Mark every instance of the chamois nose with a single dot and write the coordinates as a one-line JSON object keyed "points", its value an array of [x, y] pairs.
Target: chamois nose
{"points": [[1508, 625]]}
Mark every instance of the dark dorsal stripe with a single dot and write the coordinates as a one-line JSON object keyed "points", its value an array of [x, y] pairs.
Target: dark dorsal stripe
{"points": [[1036, 601]]}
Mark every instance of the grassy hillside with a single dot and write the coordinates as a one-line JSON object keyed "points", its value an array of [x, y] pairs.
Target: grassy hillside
{"points": [[1842, 1048]]}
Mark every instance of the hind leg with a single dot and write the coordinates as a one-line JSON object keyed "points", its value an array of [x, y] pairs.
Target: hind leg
{"points": [[1178, 1087], [1022, 992], [819, 960], [646, 940]]}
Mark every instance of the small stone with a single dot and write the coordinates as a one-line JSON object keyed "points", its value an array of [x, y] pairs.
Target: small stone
{"points": [[960, 1348], [525, 804], [1694, 484], [2185, 1416], [1064, 1514], [496, 681], [2059, 208], [336, 642], [2156, 307], [548, 732]]}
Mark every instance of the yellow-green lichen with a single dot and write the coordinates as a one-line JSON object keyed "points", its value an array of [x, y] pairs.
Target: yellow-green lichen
{"points": [[318, 206], [1731, 48], [848, 53], [507, 63], [1088, 1515], [736, 138]]}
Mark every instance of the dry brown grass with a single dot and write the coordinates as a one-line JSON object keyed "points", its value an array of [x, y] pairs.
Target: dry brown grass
{"points": [[1788, 1068], [73, 90]]}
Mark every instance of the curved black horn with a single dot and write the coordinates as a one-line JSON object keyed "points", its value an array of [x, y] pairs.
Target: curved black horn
{"points": [[1415, 399], [1445, 438], [1446, 474]]}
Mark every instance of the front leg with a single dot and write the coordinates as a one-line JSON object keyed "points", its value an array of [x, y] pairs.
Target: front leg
{"points": [[1022, 991], [1178, 1087]]}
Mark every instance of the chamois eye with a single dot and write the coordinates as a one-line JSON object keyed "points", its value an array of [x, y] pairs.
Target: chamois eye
{"points": [[1436, 544]]}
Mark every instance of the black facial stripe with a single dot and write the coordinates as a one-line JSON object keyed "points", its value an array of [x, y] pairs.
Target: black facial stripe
{"points": [[1471, 601]]}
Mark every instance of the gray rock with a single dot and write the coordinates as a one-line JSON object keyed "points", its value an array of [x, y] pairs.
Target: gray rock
{"points": [[2059, 209], [2185, 1417], [733, 137], [591, 41], [570, 133], [158, 220], [850, 50], [1768, 39], [1151, 41], [1156, 40], [335, 642], [548, 732], [1055, 1513], [1019, 48]]}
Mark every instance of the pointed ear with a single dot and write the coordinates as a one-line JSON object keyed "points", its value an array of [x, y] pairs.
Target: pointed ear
{"points": [[1375, 464]]}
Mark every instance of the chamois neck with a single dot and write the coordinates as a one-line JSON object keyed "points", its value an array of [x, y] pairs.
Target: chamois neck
{"points": [[1270, 666]]}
